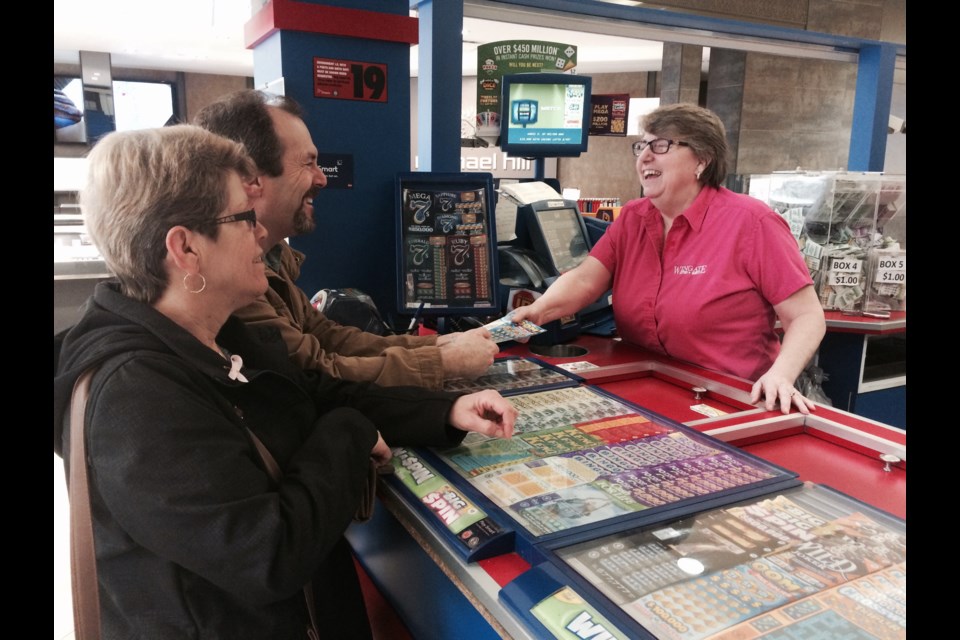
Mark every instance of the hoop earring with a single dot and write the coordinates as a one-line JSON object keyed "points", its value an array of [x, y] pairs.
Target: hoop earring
{"points": [[203, 283]]}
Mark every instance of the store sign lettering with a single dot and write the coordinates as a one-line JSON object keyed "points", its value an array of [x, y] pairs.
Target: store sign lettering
{"points": [[583, 627], [418, 472], [446, 511]]}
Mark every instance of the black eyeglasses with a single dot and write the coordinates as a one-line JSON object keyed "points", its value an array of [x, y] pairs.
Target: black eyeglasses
{"points": [[248, 216], [657, 145]]}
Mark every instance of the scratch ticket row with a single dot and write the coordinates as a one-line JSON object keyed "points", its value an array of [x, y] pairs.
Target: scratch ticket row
{"points": [[564, 408]]}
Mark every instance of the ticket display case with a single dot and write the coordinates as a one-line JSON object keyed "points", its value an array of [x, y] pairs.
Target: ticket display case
{"points": [[886, 277], [77, 267], [720, 405], [513, 375], [805, 562], [835, 472], [581, 458], [74, 254], [851, 229], [630, 524]]}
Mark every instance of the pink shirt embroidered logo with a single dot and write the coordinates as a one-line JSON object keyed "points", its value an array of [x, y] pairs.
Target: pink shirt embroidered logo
{"points": [[689, 269]]}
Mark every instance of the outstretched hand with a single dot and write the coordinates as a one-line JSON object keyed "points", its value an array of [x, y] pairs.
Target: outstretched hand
{"points": [[776, 390], [526, 312], [468, 354], [485, 412]]}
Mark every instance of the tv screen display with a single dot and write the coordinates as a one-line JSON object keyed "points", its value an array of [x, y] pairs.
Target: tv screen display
{"points": [[128, 105], [564, 237], [545, 114], [68, 123]]}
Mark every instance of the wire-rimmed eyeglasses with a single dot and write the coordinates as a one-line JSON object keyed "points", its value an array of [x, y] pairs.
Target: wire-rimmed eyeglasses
{"points": [[247, 216], [657, 145]]}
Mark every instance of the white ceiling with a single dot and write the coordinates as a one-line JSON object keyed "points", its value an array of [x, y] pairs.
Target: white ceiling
{"points": [[206, 36]]}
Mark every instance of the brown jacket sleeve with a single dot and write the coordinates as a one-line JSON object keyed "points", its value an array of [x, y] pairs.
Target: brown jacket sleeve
{"points": [[317, 343]]}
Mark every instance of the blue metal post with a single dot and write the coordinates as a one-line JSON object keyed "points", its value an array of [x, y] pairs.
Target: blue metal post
{"points": [[439, 84], [871, 107], [354, 244]]}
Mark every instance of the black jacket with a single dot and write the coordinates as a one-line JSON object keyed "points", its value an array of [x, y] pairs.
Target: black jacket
{"points": [[193, 539]]}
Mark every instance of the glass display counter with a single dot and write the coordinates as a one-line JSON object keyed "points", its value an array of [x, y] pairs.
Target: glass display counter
{"points": [[74, 255], [808, 562], [826, 549], [851, 229]]}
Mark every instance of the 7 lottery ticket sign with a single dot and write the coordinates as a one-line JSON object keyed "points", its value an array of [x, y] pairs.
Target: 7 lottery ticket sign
{"points": [[446, 235]]}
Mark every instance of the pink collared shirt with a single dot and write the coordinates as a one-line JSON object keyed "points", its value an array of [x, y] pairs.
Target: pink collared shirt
{"points": [[705, 294]]}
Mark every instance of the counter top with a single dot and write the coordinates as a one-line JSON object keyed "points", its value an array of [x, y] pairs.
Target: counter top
{"points": [[466, 599], [840, 322], [666, 386]]}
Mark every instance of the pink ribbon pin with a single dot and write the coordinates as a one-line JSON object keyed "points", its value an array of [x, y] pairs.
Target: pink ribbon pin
{"points": [[236, 362]]}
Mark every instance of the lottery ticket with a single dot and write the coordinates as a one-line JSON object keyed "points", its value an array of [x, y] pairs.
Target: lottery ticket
{"points": [[567, 508], [871, 607], [508, 375], [506, 329]]}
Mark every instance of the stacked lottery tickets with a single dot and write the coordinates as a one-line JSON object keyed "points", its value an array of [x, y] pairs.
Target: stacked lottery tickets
{"points": [[887, 276], [841, 284]]}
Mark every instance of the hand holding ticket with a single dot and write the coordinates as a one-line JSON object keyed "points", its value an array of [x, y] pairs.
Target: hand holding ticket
{"points": [[506, 329]]}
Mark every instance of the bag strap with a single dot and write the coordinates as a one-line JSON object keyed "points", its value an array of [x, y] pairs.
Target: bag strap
{"points": [[83, 562], [274, 470]]}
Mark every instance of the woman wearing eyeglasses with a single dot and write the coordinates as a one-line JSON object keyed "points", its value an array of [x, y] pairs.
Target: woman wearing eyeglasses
{"points": [[698, 272], [194, 536]]}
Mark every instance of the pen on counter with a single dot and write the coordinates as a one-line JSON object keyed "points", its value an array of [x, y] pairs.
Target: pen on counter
{"points": [[416, 318]]}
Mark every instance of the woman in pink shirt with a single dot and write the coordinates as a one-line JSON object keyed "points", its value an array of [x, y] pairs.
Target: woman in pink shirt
{"points": [[698, 272]]}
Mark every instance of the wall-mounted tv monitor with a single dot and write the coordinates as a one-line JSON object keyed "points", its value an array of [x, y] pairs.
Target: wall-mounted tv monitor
{"points": [[128, 105], [555, 230], [544, 115]]}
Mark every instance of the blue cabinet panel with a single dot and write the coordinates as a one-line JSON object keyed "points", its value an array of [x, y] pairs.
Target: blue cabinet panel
{"points": [[886, 405]]}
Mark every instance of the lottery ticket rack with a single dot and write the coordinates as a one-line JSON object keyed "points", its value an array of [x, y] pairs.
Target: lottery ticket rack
{"points": [[644, 498]]}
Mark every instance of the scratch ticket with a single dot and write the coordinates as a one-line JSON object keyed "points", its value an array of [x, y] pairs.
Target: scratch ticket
{"points": [[506, 329]]}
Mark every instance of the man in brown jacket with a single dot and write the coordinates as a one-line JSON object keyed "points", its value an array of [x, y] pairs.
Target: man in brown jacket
{"points": [[279, 142]]}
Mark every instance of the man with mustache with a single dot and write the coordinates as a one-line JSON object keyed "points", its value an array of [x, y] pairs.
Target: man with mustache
{"points": [[276, 137]]}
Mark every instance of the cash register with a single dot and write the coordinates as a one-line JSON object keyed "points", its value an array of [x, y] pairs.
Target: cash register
{"points": [[551, 238]]}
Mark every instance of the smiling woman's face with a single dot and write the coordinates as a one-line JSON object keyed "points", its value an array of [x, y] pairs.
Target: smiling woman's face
{"points": [[233, 263], [667, 175]]}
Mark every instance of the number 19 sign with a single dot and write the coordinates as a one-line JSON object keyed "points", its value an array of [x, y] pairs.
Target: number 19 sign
{"points": [[349, 80]]}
